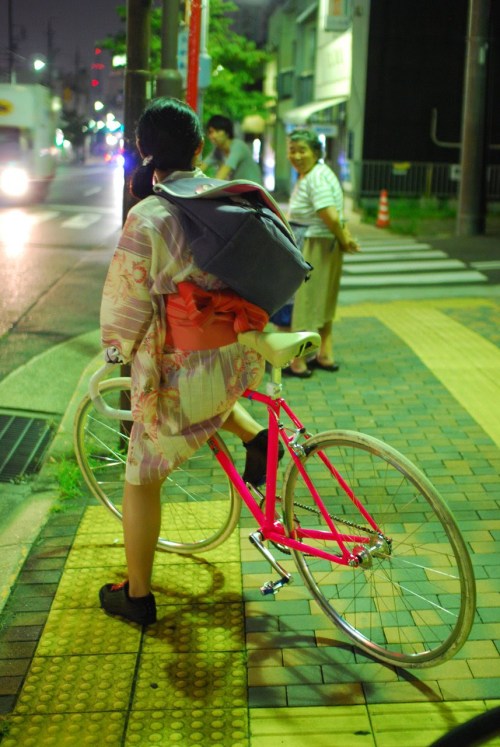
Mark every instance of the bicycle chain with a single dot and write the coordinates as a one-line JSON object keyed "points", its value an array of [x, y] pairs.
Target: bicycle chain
{"points": [[339, 520], [359, 527]]}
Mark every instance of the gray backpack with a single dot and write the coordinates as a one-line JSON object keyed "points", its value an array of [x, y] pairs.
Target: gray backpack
{"points": [[237, 232]]}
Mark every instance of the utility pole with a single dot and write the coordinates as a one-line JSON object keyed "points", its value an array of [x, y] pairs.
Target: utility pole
{"points": [[471, 215], [193, 54], [51, 52], [137, 82], [10, 23], [169, 79]]}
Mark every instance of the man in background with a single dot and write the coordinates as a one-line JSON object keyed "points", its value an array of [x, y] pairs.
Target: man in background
{"points": [[231, 157]]}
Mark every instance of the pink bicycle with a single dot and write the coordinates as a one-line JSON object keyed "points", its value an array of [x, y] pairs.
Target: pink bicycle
{"points": [[372, 539]]}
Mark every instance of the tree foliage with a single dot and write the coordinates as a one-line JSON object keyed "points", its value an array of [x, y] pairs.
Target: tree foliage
{"points": [[237, 64]]}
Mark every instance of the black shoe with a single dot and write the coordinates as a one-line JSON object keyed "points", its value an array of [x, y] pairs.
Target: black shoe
{"points": [[115, 600], [256, 461]]}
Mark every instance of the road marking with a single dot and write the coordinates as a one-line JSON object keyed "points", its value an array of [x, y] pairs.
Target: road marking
{"points": [[380, 267], [80, 221], [43, 217], [487, 265], [90, 209], [419, 254], [412, 278], [391, 246]]}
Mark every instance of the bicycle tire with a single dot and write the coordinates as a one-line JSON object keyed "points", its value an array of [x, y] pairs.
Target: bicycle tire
{"points": [[200, 507], [415, 605]]}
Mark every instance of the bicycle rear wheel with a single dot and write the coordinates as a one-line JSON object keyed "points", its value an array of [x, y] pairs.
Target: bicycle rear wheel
{"points": [[412, 603], [200, 507]]}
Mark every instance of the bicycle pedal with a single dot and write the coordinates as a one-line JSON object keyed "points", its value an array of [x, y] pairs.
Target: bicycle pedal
{"points": [[272, 587]]}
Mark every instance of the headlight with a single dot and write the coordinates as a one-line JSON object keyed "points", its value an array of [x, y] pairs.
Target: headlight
{"points": [[14, 182]]}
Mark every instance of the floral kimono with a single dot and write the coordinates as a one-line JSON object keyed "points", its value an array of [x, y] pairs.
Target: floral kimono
{"points": [[179, 398]]}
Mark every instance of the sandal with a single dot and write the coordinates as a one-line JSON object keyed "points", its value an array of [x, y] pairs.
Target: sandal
{"points": [[115, 600], [305, 374], [315, 363]]}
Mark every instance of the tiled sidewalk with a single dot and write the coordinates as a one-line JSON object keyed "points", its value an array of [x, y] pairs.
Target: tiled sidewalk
{"points": [[225, 666]]}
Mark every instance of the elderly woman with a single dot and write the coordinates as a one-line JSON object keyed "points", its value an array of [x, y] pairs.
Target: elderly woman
{"points": [[317, 202]]}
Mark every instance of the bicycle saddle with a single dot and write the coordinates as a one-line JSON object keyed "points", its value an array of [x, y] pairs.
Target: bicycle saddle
{"points": [[279, 348]]}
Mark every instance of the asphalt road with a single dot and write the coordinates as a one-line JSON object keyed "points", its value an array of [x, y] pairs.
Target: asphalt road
{"points": [[54, 259]]}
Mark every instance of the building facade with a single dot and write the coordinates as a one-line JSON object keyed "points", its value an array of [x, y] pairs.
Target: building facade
{"points": [[382, 82]]}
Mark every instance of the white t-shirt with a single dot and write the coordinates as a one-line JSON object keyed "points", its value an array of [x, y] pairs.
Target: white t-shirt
{"points": [[318, 189]]}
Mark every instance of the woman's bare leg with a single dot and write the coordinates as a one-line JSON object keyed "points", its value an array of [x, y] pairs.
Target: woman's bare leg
{"points": [[141, 529], [325, 353], [242, 424]]}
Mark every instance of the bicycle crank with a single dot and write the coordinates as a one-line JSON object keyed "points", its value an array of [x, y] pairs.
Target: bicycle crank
{"points": [[270, 587]]}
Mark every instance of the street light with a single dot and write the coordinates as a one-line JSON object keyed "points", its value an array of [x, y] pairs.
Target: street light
{"points": [[39, 64]]}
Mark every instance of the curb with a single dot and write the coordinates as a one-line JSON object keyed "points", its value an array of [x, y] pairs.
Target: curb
{"points": [[39, 494]]}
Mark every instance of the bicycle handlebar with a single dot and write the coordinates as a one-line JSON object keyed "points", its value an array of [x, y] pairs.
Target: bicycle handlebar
{"points": [[97, 398]]}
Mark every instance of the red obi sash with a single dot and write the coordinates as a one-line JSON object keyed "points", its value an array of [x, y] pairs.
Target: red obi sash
{"points": [[198, 319]]}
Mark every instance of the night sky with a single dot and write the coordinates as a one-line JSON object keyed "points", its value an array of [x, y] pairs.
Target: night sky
{"points": [[76, 25]]}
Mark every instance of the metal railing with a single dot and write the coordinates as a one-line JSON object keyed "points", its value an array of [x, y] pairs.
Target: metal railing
{"points": [[415, 179]]}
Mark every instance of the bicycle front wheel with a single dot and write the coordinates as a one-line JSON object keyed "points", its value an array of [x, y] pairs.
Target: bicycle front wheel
{"points": [[200, 507], [411, 601]]}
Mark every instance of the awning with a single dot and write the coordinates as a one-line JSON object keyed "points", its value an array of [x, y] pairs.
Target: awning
{"points": [[301, 114]]}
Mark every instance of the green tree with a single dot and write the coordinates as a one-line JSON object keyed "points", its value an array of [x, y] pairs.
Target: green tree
{"points": [[237, 64]]}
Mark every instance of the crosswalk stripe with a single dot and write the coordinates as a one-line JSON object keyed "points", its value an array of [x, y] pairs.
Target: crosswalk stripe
{"points": [[412, 278], [385, 246], [81, 220], [385, 267], [486, 265], [404, 255], [402, 262], [44, 216]]}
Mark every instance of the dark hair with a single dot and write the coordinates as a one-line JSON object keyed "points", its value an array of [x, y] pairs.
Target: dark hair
{"points": [[218, 122], [168, 133], [310, 138]]}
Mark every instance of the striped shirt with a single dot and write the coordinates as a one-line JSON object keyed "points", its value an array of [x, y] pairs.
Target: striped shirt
{"points": [[318, 189]]}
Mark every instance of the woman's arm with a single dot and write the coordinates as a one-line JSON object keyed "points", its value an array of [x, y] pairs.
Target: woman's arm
{"points": [[223, 172], [331, 219], [126, 307]]}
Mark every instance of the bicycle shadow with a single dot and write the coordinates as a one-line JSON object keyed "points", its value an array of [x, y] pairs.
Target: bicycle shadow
{"points": [[195, 655]]}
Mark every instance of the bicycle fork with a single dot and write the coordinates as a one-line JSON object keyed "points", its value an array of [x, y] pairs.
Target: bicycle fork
{"points": [[270, 587]]}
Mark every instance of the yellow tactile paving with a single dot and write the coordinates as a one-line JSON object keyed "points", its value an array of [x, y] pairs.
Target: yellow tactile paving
{"points": [[77, 684], [466, 364], [195, 727], [66, 730], [185, 681]]}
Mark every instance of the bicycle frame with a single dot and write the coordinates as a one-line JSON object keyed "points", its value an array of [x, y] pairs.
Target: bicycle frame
{"points": [[268, 526], [417, 596]]}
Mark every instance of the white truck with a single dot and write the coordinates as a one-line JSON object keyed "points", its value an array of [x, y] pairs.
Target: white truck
{"points": [[27, 142]]}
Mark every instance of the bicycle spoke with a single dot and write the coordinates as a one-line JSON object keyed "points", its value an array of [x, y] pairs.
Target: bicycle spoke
{"points": [[411, 601], [199, 506]]}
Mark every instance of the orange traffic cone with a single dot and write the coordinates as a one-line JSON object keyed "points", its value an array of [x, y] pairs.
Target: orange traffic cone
{"points": [[383, 210]]}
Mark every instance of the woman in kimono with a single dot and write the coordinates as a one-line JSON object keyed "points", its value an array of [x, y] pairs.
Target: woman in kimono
{"points": [[186, 381]]}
